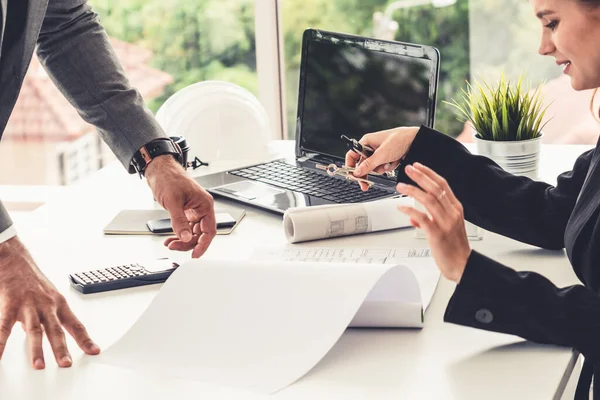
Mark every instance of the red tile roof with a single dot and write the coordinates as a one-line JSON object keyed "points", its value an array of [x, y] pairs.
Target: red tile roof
{"points": [[42, 112]]}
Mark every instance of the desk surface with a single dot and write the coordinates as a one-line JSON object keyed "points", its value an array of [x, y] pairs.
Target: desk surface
{"points": [[441, 361]]}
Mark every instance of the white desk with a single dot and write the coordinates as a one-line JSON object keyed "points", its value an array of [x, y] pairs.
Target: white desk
{"points": [[441, 361]]}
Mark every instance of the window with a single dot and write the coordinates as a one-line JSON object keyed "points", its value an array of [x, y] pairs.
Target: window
{"points": [[505, 37], [444, 27], [165, 46]]}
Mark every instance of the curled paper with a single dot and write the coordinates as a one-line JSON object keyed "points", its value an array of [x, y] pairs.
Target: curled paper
{"points": [[321, 222], [261, 325]]}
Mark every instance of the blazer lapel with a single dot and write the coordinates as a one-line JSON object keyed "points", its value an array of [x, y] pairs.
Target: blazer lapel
{"points": [[586, 205]]}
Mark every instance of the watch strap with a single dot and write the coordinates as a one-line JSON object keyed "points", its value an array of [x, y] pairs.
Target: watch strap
{"points": [[151, 150]]}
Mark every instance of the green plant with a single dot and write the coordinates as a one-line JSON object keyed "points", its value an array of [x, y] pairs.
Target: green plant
{"points": [[504, 112]]}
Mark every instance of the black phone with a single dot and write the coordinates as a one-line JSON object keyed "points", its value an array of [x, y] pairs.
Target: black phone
{"points": [[163, 225]]}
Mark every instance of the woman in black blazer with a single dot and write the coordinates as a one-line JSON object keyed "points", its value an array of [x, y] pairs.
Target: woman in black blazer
{"points": [[477, 189]]}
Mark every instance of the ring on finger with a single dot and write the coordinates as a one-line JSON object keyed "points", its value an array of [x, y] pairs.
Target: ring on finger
{"points": [[441, 195]]}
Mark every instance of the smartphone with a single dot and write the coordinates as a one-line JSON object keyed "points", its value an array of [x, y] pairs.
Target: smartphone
{"points": [[225, 220], [163, 225]]}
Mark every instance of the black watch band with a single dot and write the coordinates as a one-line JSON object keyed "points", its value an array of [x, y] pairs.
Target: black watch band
{"points": [[151, 150]]}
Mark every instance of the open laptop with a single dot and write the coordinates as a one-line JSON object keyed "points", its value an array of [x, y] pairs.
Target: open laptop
{"points": [[349, 85]]}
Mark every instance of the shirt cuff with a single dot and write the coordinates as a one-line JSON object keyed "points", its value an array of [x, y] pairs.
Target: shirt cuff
{"points": [[8, 233]]}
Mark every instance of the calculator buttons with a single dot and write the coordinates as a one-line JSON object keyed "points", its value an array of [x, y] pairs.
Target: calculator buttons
{"points": [[123, 272]]}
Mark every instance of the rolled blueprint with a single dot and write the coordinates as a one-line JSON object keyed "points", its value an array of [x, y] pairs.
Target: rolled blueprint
{"points": [[321, 222]]}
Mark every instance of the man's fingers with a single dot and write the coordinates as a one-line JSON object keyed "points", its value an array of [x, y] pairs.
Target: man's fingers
{"points": [[208, 229], [197, 229], [77, 330], [34, 332], [56, 337], [203, 243], [178, 245], [170, 239], [180, 224], [7, 321]]}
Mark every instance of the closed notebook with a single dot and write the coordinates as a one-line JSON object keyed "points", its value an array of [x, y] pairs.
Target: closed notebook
{"points": [[133, 222]]}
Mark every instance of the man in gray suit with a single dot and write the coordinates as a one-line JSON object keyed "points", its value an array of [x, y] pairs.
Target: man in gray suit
{"points": [[74, 49]]}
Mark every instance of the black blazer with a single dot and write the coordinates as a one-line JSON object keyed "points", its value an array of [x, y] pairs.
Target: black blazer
{"points": [[565, 216]]}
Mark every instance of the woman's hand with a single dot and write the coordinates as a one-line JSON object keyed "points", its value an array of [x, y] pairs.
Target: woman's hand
{"points": [[390, 146], [444, 226]]}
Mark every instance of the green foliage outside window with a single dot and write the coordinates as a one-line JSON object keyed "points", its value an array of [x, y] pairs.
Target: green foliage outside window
{"points": [[195, 40]]}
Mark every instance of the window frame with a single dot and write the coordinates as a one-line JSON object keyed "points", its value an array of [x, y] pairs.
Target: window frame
{"points": [[270, 63]]}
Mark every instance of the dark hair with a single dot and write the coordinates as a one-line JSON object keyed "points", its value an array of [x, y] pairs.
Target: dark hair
{"points": [[592, 4], [596, 115]]}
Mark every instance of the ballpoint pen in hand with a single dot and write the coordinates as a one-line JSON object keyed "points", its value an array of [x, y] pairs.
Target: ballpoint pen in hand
{"points": [[365, 151], [355, 146]]}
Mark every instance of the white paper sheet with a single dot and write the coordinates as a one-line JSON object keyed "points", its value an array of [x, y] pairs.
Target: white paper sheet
{"points": [[418, 260], [319, 222], [256, 325]]}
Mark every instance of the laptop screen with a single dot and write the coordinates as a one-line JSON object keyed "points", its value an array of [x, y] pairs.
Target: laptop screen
{"points": [[350, 89]]}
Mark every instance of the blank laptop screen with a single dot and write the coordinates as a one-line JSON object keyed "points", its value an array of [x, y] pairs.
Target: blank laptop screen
{"points": [[349, 90]]}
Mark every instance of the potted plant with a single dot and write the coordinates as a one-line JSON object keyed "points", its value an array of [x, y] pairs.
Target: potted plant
{"points": [[508, 123]]}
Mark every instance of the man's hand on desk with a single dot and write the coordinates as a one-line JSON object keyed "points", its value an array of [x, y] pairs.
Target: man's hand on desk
{"points": [[190, 206], [27, 296]]}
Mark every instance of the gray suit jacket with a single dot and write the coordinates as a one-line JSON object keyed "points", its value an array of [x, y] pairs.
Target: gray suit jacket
{"points": [[76, 53]]}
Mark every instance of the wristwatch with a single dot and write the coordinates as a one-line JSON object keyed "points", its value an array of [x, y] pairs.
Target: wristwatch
{"points": [[150, 151]]}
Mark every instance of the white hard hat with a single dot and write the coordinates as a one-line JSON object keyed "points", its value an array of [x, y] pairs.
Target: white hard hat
{"points": [[219, 120]]}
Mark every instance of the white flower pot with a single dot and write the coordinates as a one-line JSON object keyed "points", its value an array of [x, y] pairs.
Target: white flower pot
{"points": [[517, 157]]}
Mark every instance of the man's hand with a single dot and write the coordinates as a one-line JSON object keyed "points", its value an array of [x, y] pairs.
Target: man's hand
{"points": [[27, 296], [190, 206]]}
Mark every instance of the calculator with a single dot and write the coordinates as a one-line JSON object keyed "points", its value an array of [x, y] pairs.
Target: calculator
{"points": [[123, 276]]}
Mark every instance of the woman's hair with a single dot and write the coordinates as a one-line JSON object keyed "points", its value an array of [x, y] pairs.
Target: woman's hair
{"points": [[592, 4], [595, 113]]}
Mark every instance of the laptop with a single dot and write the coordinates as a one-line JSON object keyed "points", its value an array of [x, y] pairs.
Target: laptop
{"points": [[349, 85]]}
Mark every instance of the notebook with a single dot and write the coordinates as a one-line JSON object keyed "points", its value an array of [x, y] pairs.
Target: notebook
{"points": [[349, 85], [133, 222]]}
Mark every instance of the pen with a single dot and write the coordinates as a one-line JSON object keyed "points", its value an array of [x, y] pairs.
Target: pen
{"points": [[355, 146], [365, 151]]}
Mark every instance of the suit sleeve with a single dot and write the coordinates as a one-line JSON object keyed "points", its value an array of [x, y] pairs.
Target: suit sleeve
{"points": [[76, 52], [518, 207], [493, 297]]}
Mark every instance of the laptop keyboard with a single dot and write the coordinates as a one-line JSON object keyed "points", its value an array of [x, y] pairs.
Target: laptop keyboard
{"points": [[287, 176]]}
